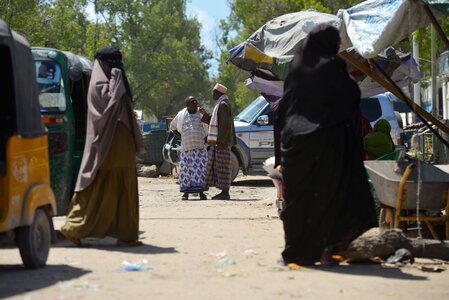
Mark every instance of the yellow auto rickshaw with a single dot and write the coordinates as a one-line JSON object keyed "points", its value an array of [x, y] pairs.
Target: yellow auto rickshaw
{"points": [[27, 200]]}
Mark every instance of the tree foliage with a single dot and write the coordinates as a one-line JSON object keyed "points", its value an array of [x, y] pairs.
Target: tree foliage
{"points": [[163, 54], [162, 50]]}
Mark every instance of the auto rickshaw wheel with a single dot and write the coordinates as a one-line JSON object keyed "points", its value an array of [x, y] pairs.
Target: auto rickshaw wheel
{"points": [[34, 240]]}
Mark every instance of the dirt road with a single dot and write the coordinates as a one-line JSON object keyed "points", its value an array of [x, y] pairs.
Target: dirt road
{"points": [[205, 250]]}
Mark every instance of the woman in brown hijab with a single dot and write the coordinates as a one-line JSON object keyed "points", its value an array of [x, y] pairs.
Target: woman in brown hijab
{"points": [[327, 197], [105, 202]]}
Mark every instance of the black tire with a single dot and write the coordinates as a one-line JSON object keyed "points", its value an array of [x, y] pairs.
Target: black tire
{"points": [[235, 166], [34, 240]]}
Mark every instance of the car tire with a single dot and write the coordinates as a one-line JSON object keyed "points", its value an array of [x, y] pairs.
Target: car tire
{"points": [[235, 166], [34, 240]]}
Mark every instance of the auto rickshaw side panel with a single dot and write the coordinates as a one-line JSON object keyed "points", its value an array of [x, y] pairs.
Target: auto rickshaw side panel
{"points": [[27, 202], [26, 183], [61, 139]]}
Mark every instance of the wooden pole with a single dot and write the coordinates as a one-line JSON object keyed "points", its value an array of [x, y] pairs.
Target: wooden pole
{"points": [[416, 108]]}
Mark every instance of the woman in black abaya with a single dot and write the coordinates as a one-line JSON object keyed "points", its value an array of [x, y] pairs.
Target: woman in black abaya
{"points": [[327, 197]]}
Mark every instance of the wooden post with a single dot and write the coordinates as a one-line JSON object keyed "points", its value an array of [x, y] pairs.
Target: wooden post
{"points": [[416, 108]]}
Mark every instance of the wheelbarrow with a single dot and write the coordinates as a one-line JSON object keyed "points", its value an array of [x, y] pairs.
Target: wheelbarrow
{"points": [[403, 187]]}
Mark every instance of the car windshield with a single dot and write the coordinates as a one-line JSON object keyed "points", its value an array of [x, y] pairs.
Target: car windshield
{"points": [[51, 86], [251, 111]]}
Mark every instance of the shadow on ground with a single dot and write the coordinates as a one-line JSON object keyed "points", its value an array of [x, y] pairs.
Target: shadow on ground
{"points": [[233, 199], [109, 244], [373, 271], [144, 249], [16, 279], [254, 182], [240, 199]]}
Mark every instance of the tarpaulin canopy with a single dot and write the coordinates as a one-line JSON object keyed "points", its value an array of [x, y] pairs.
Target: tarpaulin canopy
{"points": [[268, 52], [272, 46], [369, 27], [374, 25], [271, 90], [401, 67], [267, 87]]}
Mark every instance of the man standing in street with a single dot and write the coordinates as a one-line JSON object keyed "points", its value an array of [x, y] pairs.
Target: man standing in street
{"points": [[221, 138], [188, 127]]}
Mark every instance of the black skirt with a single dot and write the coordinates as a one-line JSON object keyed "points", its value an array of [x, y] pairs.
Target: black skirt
{"points": [[327, 195]]}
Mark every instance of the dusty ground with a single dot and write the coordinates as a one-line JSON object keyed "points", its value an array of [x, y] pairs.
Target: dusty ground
{"points": [[182, 240]]}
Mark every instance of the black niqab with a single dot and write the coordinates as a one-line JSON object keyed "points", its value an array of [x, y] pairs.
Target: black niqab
{"points": [[318, 91], [112, 58], [109, 54]]}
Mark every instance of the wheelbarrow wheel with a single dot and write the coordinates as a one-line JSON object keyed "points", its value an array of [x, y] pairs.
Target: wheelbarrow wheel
{"points": [[34, 240], [386, 218]]}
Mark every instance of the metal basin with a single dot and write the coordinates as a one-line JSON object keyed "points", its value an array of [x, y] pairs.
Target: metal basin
{"points": [[431, 182]]}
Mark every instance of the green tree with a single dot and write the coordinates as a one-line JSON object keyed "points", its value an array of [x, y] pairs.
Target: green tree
{"points": [[424, 40], [25, 17], [60, 24], [65, 26], [163, 53], [162, 49], [253, 14]]}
